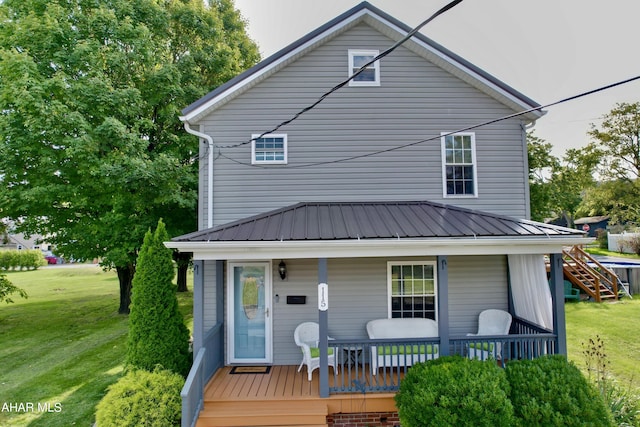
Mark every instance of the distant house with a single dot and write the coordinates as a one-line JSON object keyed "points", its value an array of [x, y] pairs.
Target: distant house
{"points": [[591, 224], [381, 202], [18, 241]]}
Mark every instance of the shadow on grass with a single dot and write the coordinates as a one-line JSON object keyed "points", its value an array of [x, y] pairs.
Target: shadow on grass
{"points": [[79, 407]]}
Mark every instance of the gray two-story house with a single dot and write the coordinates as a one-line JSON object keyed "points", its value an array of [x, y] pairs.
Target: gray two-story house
{"points": [[400, 195]]}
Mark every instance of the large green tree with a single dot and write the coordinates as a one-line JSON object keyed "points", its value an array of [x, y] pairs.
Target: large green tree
{"points": [[618, 141], [571, 177], [557, 185], [618, 137], [541, 164], [92, 152], [619, 199]]}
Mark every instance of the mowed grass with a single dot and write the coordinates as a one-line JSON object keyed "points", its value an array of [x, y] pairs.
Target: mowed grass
{"points": [[618, 325], [63, 346]]}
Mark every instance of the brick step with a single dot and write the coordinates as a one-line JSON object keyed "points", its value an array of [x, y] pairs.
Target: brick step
{"points": [[263, 413]]}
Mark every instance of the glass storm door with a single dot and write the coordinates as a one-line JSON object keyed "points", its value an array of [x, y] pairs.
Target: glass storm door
{"points": [[249, 320]]}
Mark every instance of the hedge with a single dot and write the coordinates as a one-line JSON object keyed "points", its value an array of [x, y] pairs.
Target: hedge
{"points": [[551, 391], [28, 259], [454, 391]]}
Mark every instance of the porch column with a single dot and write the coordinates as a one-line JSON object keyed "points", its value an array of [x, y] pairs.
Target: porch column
{"points": [[557, 298], [443, 305], [219, 292], [198, 306], [220, 307], [323, 321]]}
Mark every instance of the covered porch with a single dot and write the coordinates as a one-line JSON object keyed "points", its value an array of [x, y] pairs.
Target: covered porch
{"points": [[283, 396], [324, 244]]}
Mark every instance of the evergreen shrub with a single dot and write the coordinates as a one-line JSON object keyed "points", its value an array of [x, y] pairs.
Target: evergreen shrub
{"points": [[157, 333], [142, 398], [551, 391], [454, 391]]}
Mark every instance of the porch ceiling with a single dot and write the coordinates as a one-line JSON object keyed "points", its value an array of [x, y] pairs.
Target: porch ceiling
{"points": [[352, 229]]}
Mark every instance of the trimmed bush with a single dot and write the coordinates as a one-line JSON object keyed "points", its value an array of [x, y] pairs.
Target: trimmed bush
{"points": [[454, 391], [29, 259], [157, 333], [142, 398], [551, 391]]}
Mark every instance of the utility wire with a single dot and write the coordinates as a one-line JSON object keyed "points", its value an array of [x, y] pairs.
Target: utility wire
{"points": [[489, 122], [354, 75]]}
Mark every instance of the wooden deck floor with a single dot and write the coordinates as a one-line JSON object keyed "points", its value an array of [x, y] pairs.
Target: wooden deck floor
{"points": [[281, 397]]}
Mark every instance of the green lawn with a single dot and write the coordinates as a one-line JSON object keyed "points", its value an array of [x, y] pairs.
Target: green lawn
{"points": [[617, 324], [61, 347]]}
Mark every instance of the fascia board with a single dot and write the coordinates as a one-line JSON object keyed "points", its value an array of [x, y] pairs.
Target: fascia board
{"points": [[373, 248]]}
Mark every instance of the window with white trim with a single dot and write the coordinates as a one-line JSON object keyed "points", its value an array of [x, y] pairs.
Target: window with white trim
{"points": [[412, 289], [458, 165], [269, 149], [370, 76]]}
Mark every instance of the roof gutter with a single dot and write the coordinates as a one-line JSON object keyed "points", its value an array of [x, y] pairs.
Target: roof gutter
{"points": [[209, 140]]}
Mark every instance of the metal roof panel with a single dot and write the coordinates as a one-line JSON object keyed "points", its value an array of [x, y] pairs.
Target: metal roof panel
{"points": [[374, 220]]}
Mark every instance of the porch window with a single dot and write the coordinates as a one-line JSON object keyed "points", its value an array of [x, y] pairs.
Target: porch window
{"points": [[370, 76], [412, 289], [270, 149], [458, 163]]}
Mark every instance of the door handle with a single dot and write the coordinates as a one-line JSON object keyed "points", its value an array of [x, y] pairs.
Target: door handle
{"points": [[266, 312]]}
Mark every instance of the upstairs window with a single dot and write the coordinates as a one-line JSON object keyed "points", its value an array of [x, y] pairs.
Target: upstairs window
{"points": [[459, 169], [412, 289], [371, 75], [270, 149]]}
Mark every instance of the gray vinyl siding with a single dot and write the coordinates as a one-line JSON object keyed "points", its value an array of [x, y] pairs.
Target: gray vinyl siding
{"points": [[416, 100], [476, 283], [358, 293]]}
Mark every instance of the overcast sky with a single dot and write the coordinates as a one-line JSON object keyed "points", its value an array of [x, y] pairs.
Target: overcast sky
{"points": [[546, 49]]}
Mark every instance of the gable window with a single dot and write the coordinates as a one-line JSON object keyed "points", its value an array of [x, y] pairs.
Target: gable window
{"points": [[270, 149], [371, 75], [458, 163], [412, 289]]}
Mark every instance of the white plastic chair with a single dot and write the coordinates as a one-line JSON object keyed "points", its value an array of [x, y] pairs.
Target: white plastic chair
{"points": [[306, 336], [490, 322]]}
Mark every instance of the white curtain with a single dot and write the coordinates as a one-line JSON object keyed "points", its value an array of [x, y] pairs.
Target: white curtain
{"points": [[530, 289]]}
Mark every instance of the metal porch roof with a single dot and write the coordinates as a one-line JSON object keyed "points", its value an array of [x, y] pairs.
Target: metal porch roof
{"points": [[328, 221]]}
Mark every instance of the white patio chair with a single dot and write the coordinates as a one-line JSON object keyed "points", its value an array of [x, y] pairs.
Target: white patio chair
{"points": [[490, 322], [306, 336]]}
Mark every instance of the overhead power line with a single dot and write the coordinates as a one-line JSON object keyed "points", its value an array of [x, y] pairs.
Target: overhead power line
{"points": [[354, 75], [486, 123]]}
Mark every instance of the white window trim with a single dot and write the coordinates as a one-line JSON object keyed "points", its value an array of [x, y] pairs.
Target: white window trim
{"points": [[375, 66], [444, 166], [416, 262], [269, 162]]}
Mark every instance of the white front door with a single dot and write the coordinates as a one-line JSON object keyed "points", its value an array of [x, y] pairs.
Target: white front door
{"points": [[249, 312]]}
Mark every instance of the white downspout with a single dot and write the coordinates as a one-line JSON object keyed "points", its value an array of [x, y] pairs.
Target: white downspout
{"points": [[209, 140]]}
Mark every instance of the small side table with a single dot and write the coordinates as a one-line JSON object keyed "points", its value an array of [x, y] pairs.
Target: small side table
{"points": [[352, 355]]}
